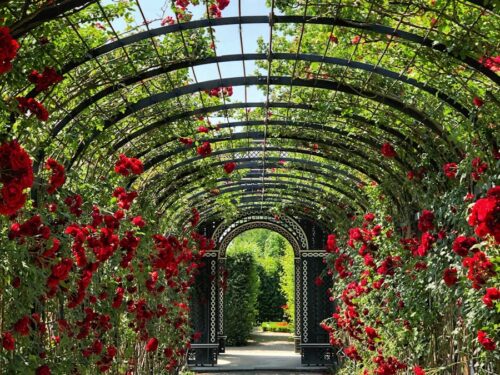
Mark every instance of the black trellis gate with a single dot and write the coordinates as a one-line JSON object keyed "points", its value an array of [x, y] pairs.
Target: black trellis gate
{"points": [[313, 305]]}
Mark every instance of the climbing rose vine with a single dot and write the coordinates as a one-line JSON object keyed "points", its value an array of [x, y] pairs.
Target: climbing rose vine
{"points": [[93, 270], [405, 294]]}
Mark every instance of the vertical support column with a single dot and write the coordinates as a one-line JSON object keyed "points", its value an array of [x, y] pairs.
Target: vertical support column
{"points": [[316, 306], [220, 305], [298, 305], [214, 298], [204, 309]]}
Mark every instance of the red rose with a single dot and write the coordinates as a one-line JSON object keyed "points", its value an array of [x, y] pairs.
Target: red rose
{"points": [[485, 216], [462, 245], [8, 341], [229, 167], [371, 332], [486, 342], [356, 39], [331, 244], [492, 63], [43, 370], [387, 150], [450, 276], [318, 281], [12, 198], [352, 353], [477, 102], [492, 294], [426, 221], [450, 170], [58, 177], [186, 141], [138, 221], [22, 326], [369, 216], [222, 4], [8, 49], [152, 345], [417, 370]]}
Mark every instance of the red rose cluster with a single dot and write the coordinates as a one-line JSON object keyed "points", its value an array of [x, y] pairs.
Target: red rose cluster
{"points": [[58, 177], [43, 81], [204, 150], [16, 175], [34, 107], [485, 341], [331, 244], [480, 269], [450, 170], [126, 166], [216, 92], [222, 4], [183, 4], [8, 49], [492, 63], [485, 215], [426, 221], [478, 168], [124, 199], [186, 141]]}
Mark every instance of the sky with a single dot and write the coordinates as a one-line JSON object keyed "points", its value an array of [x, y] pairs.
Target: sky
{"points": [[227, 40]]}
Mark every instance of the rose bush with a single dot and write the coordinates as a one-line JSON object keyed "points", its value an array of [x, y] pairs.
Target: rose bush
{"points": [[87, 285], [419, 295]]}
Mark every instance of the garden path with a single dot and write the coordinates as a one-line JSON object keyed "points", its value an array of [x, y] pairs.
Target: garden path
{"points": [[267, 353]]}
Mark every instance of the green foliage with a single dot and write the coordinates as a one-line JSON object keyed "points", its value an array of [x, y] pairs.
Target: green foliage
{"points": [[271, 300], [276, 327], [288, 282], [275, 258], [241, 297]]}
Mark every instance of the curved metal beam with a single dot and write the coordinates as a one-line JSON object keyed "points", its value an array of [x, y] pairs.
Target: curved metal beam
{"points": [[191, 176], [269, 177], [271, 200], [260, 136], [271, 159], [302, 190], [297, 191], [207, 110], [209, 212], [148, 74], [264, 207], [252, 81], [292, 124], [276, 19]]}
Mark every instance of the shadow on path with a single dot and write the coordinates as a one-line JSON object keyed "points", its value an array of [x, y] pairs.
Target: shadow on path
{"points": [[266, 353]]}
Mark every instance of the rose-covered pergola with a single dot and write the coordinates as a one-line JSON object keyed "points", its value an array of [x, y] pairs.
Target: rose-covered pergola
{"points": [[120, 156]]}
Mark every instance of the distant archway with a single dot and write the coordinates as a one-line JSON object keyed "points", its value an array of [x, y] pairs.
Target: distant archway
{"points": [[311, 300]]}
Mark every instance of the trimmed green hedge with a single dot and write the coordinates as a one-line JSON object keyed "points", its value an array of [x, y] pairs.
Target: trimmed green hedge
{"points": [[241, 297], [271, 299]]}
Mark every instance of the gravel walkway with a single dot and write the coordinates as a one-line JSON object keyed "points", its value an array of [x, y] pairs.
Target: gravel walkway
{"points": [[267, 353]]}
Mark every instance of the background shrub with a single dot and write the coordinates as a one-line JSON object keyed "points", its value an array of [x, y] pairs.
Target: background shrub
{"points": [[241, 297], [271, 299]]}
